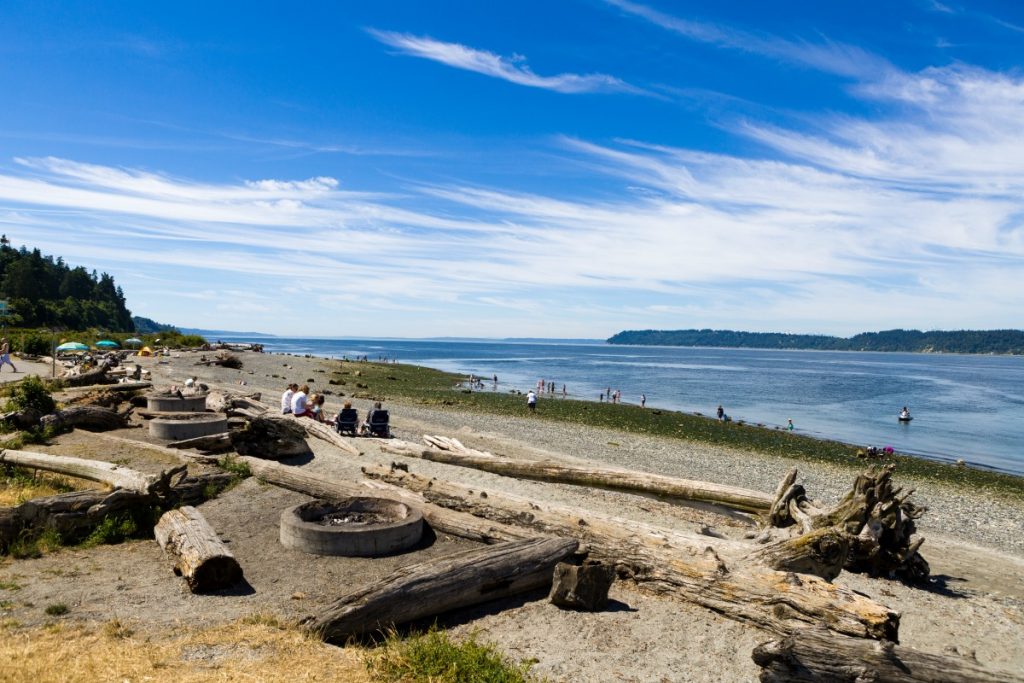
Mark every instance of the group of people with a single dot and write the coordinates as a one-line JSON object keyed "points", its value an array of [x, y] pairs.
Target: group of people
{"points": [[543, 386], [298, 401]]}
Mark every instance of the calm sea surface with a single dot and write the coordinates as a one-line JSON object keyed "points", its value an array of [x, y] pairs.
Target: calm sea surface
{"points": [[969, 407]]}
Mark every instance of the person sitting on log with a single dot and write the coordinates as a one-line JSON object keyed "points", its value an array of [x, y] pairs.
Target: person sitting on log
{"points": [[300, 402]]}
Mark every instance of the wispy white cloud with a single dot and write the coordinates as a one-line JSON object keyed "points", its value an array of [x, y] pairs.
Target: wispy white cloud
{"points": [[828, 56], [513, 69]]}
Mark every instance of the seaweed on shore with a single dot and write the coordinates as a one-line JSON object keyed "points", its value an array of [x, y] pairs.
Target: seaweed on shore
{"points": [[426, 386]]}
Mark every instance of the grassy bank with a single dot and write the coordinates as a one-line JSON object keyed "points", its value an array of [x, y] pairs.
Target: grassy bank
{"points": [[439, 389]]}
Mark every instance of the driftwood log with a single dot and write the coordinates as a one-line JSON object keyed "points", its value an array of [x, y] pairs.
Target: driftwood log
{"points": [[22, 419], [97, 375], [76, 513], [690, 567], [212, 443], [430, 588], [223, 401], [118, 386], [452, 452], [876, 517], [224, 360], [115, 476], [93, 418], [270, 437], [323, 432], [199, 556], [817, 656]]}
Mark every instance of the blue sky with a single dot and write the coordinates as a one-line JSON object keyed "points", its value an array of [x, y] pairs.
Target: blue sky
{"points": [[563, 169]]}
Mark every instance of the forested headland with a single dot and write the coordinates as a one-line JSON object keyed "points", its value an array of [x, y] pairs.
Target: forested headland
{"points": [[912, 341], [44, 291]]}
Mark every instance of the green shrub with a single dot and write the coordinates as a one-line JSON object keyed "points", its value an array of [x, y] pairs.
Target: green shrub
{"points": [[433, 657], [118, 528], [31, 392], [36, 343], [57, 609]]}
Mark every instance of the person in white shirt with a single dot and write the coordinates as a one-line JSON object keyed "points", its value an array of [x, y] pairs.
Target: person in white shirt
{"points": [[531, 400], [286, 398], [299, 401]]}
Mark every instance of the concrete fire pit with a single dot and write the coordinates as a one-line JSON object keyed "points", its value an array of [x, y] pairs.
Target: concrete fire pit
{"points": [[353, 527], [187, 426], [172, 403]]}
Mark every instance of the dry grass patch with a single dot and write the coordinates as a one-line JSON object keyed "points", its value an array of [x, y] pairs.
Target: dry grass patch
{"points": [[18, 485], [257, 649]]}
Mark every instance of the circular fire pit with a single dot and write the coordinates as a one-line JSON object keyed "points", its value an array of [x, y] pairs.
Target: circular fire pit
{"points": [[353, 527], [172, 403], [187, 426]]}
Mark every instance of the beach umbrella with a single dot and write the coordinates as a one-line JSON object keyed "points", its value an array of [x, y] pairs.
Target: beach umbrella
{"points": [[107, 344], [134, 341], [72, 346]]}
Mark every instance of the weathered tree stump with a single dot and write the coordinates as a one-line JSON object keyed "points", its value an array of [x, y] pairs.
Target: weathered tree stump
{"points": [[97, 375], [430, 588], [271, 438], [876, 517], [582, 587], [816, 656], [199, 556]]}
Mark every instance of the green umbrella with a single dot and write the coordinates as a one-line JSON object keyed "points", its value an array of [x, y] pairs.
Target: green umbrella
{"points": [[107, 344], [72, 346]]}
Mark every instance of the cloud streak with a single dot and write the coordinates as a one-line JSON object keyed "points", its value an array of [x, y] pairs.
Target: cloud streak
{"points": [[513, 70]]}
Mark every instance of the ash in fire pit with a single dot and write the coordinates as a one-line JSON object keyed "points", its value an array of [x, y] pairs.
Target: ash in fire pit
{"points": [[352, 518], [355, 527]]}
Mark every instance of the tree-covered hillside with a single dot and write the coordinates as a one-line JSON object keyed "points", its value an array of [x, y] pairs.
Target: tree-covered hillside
{"points": [[936, 341], [43, 291]]}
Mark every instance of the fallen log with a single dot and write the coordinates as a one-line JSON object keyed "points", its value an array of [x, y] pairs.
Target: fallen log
{"points": [[221, 401], [76, 513], [670, 562], [115, 476], [97, 375], [321, 431], [452, 452], [430, 588], [199, 556], [213, 443], [93, 418], [25, 418], [817, 656], [877, 517], [439, 518], [270, 437], [117, 386]]}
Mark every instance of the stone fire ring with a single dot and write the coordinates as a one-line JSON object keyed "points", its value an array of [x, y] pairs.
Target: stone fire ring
{"points": [[187, 426], [170, 403], [301, 528]]}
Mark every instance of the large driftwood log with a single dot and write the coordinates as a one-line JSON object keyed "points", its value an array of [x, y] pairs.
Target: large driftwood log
{"points": [[430, 588], [877, 517], [118, 386], [664, 561], [212, 443], [115, 476], [452, 452], [199, 556], [323, 432], [270, 437], [817, 656], [97, 375], [76, 513], [93, 418]]}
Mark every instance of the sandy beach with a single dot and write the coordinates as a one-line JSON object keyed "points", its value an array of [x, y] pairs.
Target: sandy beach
{"points": [[975, 545]]}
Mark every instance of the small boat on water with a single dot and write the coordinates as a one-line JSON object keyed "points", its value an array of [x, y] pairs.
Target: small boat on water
{"points": [[904, 416]]}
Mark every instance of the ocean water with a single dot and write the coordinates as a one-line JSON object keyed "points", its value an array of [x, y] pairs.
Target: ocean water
{"points": [[964, 406]]}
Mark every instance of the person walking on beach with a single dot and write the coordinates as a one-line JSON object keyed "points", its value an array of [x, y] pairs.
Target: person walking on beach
{"points": [[286, 398], [5, 355], [721, 412], [531, 400], [643, 400], [790, 426], [564, 392]]}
